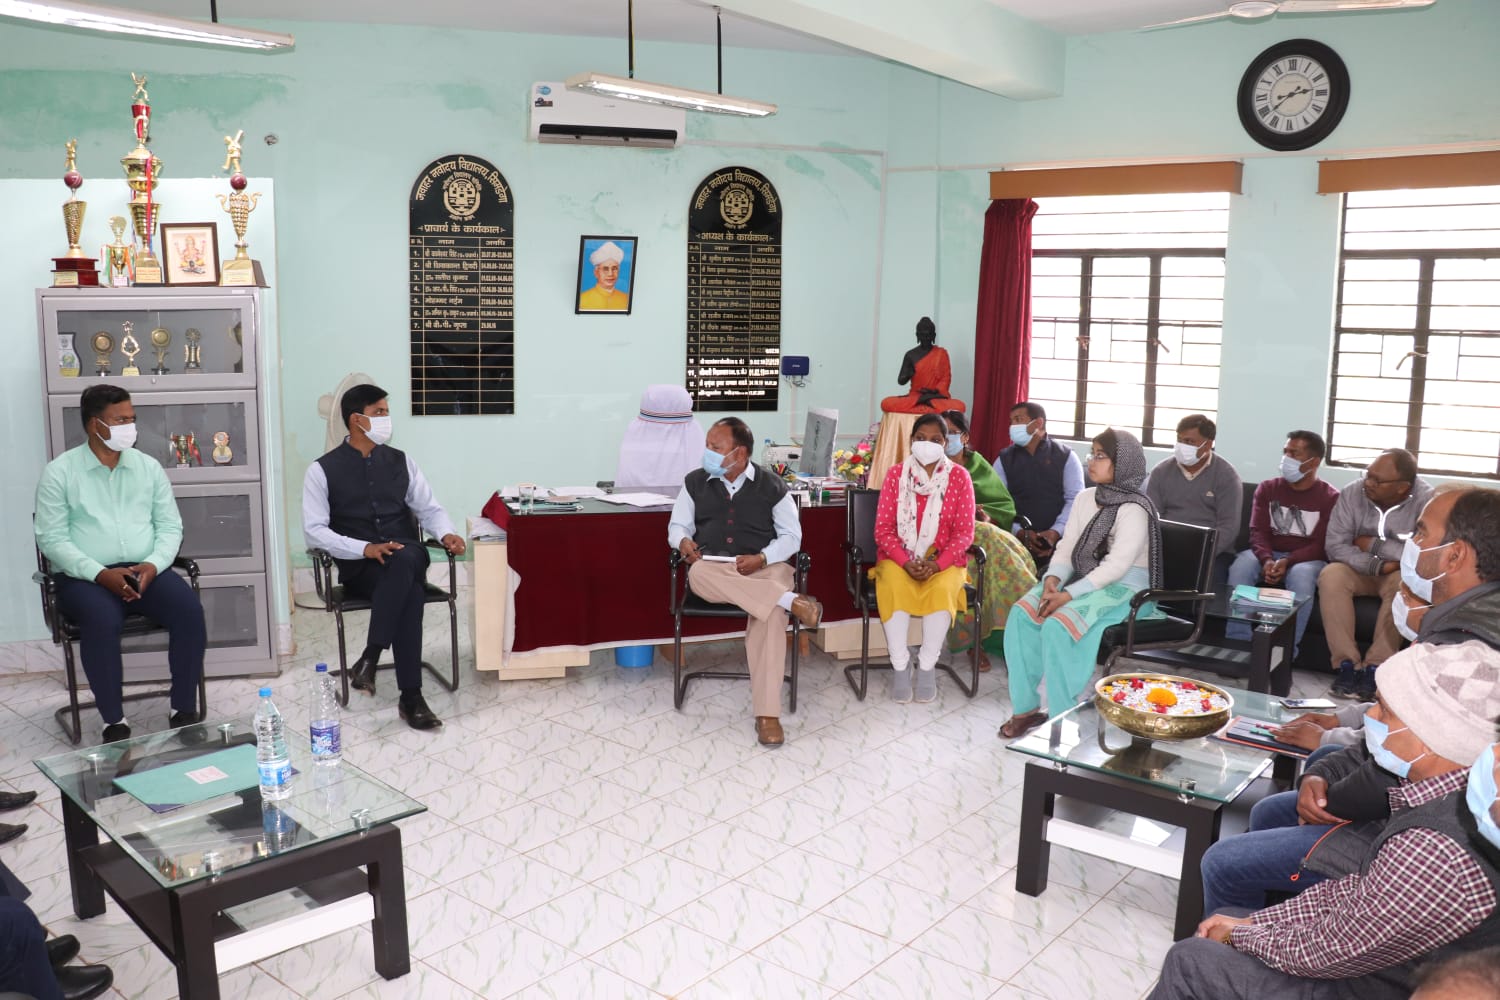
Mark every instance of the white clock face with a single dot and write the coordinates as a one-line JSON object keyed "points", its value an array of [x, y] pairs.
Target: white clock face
{"points": [[1291, 94]]}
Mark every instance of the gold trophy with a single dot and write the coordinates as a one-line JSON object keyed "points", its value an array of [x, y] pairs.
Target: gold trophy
{"points": [[74, 268], [142, 170], [161, 339], [103, 345], [117, 254], [129, 347], [192, 352], [241, 270]]}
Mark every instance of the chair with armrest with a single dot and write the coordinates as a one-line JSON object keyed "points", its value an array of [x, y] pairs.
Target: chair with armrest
{"points": [[683, 603], [859, 556], [65, 633], [340, 602], [1187, 558]]}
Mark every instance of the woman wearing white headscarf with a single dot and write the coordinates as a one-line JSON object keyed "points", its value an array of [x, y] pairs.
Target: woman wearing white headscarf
{"points": [[663, 443]]}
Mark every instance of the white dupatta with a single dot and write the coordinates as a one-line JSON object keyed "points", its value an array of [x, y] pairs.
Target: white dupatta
{"points": [[915, 481]]}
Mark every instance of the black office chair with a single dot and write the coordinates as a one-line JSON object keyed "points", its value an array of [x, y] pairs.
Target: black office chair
{"points": [[65, 632], [683, 603], [336, 600], [1187, 559], [859, 556]]}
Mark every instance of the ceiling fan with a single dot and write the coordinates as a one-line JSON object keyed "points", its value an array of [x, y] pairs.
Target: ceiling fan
{"points": [[1250, 10]]}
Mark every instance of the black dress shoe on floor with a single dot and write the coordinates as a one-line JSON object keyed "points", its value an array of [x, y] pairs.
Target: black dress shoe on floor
{"points": [[62, 950], [362, 675], [10, 831], [414, 710], [82, 982], [115, 732], [15, 800]]}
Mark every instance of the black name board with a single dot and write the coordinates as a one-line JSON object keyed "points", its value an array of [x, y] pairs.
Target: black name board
{"points": [[734, 292], [462, 246]]}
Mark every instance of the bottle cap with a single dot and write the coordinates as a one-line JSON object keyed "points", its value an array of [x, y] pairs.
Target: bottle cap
{"points": [[321, 668], [265, 692]]}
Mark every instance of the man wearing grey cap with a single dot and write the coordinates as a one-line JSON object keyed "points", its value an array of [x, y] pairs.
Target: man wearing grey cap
{"points": [[604, 296]]}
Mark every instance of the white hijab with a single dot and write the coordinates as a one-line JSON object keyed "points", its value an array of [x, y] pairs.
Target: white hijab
{"points": [[664, 442], [915, 480]]}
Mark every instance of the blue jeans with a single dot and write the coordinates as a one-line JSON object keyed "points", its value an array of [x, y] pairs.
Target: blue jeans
{"points": [[1301, 579]]}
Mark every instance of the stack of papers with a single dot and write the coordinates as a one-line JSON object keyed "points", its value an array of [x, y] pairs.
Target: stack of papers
{"points": [[638, 499], [484, 530], [1269, 597]]}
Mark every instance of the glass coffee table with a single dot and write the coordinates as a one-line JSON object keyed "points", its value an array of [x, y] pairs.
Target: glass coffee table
{"points": [[228, 880], [1080, 756], [1266, 664]]}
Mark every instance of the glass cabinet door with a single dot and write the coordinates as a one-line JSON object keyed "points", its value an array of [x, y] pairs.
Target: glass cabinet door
{"points": [[221, 527], [187, 341], [181, 430]]}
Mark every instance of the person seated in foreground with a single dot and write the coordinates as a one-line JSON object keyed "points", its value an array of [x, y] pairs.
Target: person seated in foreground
{"points": [[1468, 975], [107, 521], [927, 368], [1110, 551], [923, 529], [1423, 888], [1009, 569], [1365, 546], [1043, 476], [1344, 797], [366, 504], [741, 516], [663, 443], [1196, 486], [33, 965]]}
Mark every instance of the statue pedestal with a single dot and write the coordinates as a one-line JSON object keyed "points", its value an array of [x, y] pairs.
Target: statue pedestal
{"points": [[891, 445]]}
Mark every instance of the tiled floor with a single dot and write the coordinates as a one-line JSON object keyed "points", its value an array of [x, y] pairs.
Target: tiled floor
{"points": [[586, 840]]}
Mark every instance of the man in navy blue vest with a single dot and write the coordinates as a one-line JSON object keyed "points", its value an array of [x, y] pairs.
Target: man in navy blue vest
{"points": [[736, 526], [1043, 475], [366, 503]]}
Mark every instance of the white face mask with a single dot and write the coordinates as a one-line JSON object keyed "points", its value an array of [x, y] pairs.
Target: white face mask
{"points": [[1400, 612], [926, 452], [379, 430], [1291, 469], [1187, 454], [1411, 553], [121, 436]]}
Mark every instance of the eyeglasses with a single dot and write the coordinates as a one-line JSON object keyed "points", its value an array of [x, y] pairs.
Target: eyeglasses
{"points": [[1382, 482], [1098, 456]]}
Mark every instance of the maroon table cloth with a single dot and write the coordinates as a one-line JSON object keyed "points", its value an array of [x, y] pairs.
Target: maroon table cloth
{"points": [[602, 578]]}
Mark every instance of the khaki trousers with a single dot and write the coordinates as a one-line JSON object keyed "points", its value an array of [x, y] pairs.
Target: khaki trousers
{"points": [[1338, 586], [765, 633]]}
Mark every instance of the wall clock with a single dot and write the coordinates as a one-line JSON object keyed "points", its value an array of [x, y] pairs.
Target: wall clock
{"points": [[1293, 94]]}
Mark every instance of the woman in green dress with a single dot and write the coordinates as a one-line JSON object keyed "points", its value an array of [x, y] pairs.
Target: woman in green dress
{"points": [[995, 503]]}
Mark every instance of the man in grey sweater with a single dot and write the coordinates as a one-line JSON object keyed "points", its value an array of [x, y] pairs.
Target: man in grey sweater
{"points": [[1365, 538], [1196, 486]]}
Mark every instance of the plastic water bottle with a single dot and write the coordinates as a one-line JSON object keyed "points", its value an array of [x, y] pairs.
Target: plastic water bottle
{"points": [[270, 749], [325, 729], [765, 453]]}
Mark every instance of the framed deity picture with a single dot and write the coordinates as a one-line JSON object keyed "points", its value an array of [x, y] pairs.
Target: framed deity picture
{"points": [[606, 275], [190, 253]]}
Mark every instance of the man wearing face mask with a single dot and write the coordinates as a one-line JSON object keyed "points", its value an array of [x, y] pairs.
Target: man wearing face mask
{"points": [[1196, 486], [1365, 535], [1043, 476], [740, 516], [107, 521], [1411, 887], [366, 504], [1288, 525]]}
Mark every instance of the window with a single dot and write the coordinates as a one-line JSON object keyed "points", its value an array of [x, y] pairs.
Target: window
{"points": [[1417, 341], [1127, 303]]}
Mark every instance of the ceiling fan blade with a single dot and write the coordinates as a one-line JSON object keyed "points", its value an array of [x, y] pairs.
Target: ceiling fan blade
{"points": [[1341, 6], [1187, 20]]}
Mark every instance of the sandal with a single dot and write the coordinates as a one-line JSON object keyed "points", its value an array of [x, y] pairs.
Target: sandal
{"points": [[984, 663], [1020, 725]]}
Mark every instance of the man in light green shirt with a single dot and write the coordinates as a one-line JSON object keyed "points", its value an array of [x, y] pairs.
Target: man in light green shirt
{"points": [[107, 521]]}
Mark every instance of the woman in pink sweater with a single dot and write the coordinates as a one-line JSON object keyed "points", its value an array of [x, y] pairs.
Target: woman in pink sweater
{"points": [[923, 529]]}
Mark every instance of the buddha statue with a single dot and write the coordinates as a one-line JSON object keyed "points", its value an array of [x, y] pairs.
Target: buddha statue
{"points": [[927, 370]]}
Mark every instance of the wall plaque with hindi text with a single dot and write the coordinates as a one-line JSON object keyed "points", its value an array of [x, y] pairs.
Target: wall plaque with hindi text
{"points": [[734, 292], [461, 245]]}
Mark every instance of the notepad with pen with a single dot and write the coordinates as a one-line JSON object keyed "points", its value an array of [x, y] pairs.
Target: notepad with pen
{"points": [[1258, 733]]}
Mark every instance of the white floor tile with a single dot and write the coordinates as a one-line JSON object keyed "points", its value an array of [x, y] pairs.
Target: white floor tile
{"points": [[830, 951]]}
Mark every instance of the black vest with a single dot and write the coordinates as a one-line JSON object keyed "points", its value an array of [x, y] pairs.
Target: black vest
{"points": [[741, 526], [1036, 481], [367, 496]]}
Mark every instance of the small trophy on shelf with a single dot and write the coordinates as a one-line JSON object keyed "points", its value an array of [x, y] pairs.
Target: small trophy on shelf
{"points": [[67, 356], [129, 347], [161, 339], [192, 352], [241, 270], [74, 268], [142, 170], [103, 345], [117, 255], [222, 453]]}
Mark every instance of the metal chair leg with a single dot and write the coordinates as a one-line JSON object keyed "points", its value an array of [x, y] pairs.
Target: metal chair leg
{"points": [[796, 648], [453, 641], [75, 732], [679, 685], [338, 618]]}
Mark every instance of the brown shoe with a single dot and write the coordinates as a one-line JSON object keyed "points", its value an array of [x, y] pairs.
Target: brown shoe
{"points": [[808, 611], [768, 731]]}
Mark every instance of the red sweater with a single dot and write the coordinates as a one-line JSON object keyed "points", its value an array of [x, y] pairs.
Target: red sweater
{"points": [[1292, 521], [955, 524]]}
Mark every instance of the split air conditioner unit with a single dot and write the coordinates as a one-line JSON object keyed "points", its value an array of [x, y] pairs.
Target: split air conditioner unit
{"points": [[562, 115]]}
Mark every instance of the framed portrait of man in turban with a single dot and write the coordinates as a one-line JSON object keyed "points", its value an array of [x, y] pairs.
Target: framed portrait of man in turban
{"points": [[606, 275]]}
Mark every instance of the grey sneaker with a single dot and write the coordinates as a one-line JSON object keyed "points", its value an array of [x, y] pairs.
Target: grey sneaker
{"points": [[926, 685], [901, 686]]}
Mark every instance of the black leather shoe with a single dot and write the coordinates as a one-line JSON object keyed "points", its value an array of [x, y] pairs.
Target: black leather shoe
{"points": [[115, 732], [191, 733], [62, 950], [82, 982], [362, 675], [10, 831], [15, 800], [413, 708]]}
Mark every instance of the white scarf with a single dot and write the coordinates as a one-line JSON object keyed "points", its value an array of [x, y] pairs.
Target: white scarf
{"points": [[915, 480]]}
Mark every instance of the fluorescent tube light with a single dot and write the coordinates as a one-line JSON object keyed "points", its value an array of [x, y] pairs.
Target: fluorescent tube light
{"points": [[96, 17], [660, 93]]}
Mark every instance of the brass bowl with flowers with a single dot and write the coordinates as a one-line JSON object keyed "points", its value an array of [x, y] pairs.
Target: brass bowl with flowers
{"points": [[1163, 706]]}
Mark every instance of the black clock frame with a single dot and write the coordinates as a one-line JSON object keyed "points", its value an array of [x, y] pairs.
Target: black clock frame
{"points": [[1338, 95]]}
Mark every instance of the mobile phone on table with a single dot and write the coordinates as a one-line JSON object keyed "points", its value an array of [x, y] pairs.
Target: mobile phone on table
{"points": [[1306, 703]]}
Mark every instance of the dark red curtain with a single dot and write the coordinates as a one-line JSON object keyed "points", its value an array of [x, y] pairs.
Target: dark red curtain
{"points": [[1002, 331]]}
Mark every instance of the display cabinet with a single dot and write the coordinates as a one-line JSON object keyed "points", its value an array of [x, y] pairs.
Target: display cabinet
{"points": [[198, 392]]}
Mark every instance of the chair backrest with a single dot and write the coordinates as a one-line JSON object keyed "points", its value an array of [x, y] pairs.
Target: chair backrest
{"points": [[860, 520], [1242, 540], [1187, 555]]}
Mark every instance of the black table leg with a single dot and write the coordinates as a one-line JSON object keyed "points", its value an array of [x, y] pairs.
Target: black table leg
{"points": [[1202, 828], [193, 907], [388, 886], [1260, 659], [1034, 852], [1286, 637], [80, 832]]}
